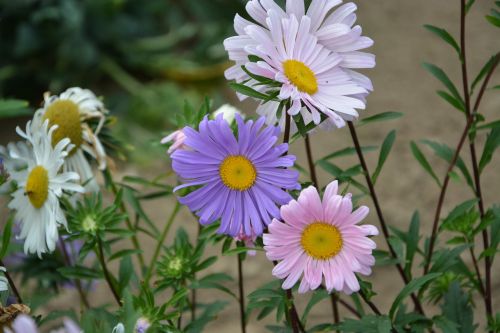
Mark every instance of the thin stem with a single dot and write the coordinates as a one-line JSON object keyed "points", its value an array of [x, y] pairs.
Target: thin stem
{"points": [[135, 240], [310, 161], [370, 303], [292, 313], [335, 308], [452, 164], [486, 291], [286, 135], [193, 291], [161, 240], [478, 273], [349, 307], [383, 224], [107, 275], [241, 294], [11, 283], [67, 261]]}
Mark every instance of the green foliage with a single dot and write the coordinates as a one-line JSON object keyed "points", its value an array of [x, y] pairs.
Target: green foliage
{"points": [[457, 309], [445, 36], [384, 153]]}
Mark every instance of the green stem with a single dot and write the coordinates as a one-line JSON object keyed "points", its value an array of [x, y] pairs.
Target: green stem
{"points": [[135, 240], [107, 275], [161, 240]]}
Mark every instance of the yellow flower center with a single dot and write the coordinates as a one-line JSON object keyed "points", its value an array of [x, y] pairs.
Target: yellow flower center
{"points": [[301, 76], [237, 172], [65, 114], [37, 186], [321, 240]]}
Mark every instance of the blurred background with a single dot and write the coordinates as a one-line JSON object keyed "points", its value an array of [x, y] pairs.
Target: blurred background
{"points": [[147, 57]]}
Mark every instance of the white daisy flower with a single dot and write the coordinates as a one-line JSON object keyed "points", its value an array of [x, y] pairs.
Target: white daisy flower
{"points": [[70, 111], [20, 149], [4, 283], [40, 185], [334, 29], [308, 71]]}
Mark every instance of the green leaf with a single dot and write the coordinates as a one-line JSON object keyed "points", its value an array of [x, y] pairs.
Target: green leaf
{"points": [[482, 73], [367, 324], [493, 124], [445, 325], [247, 91], [457, 309], [346, 152], [452, 100], [80, 272], [412, 286], [447, 154], [316, 297], [384, 152], [136, 206], [445, 36], [441, 76], [469, 5], [417, 153], [492, 143], [14, 108], [412, 242], [123, 253], [7, 233], [389, 115], [495, 20]]}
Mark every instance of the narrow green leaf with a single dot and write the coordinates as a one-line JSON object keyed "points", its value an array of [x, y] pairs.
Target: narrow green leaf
{"points": [[7, 233], [417, 153], [79, 272], [441, 76], [247, 91], [123, 253], [14, 108], [495, 20], [384, 153], [412, 286], [469, 5], [452, 100], [412, 242], [316, 297], [445, 36], [457, 309], [482, 73], [493, 124], [389, 115], [346, 152], [492, 143], [447, 153]]}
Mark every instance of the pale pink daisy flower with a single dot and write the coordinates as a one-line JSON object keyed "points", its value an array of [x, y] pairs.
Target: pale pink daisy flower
{"points": [[334, 29], [248, 240], [177, 138], [308, 71], [321, 239]]}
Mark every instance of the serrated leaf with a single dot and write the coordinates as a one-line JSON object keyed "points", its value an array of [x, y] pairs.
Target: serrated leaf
{"points": [[445, 36], [384, 153], [417, 153], [389, 115], [457, 309], [412, 286], [441, 76]]}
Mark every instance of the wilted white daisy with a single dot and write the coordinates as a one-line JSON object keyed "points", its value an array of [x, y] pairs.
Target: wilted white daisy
{"points": [[71, 111], [40, 185], [309, 72], [334, 29]]}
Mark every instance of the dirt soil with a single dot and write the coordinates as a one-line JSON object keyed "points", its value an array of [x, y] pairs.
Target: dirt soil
{"points": [[401, 84]]}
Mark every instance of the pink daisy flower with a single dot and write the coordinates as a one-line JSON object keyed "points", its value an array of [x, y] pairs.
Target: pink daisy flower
{"points": [[321, 239], [177, 138]]}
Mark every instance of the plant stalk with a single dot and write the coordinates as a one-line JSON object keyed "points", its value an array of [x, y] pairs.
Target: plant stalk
{"points": [[383, 223], [241, 294], [107, 275], [78, 283], [11, 283]]}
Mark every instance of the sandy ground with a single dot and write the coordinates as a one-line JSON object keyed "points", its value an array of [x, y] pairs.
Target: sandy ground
{"points": [[401, 84]]}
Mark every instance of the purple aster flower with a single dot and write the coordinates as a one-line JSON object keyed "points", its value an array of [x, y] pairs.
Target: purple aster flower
{"points": [[242, 179]]}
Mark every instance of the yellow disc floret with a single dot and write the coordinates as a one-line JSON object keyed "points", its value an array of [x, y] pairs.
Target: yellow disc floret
{"points": [[37, 186], [301, 76], [237, 172], [65, 114], [321, 240]]}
